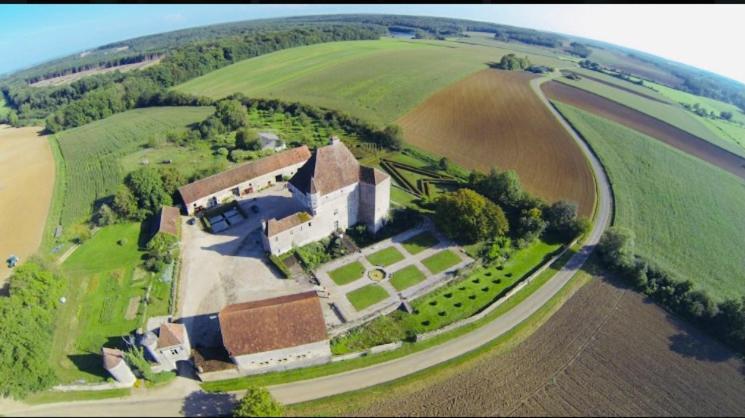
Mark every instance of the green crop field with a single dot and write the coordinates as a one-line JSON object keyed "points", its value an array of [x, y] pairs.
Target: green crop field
{"points": [[672, 114], [378, 81], [406, 277], [103, 302], [92, 152], [687, 214], [347, 273], [732, 131], [385, 257], [366, 296]]}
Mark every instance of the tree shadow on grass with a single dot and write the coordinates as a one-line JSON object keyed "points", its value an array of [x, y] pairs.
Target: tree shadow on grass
{"points": [[699, 347], [201, 404]]}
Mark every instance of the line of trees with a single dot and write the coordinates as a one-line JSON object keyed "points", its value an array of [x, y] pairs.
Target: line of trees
{"points": [[99, 96], [494, 208], [724, 321], [27, 319]]}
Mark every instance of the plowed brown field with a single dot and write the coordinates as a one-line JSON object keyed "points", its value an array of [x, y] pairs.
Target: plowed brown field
{"points": [[494, 119], [26, 182], [607, 351], [645, 124]]}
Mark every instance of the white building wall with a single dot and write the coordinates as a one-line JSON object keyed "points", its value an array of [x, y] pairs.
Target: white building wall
{"points": [[382, 203], [338, 209], [285, 359], [168, 356], [123, 374], [256, 183]]}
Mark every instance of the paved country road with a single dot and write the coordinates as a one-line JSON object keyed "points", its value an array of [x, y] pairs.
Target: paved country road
{"points": [[170, 400]]}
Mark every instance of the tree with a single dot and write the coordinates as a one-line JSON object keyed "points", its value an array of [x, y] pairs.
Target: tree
{"points": [[392, 137], [124, 203], [172, 179], [258, 402], [104, 216], [468, 217], [81, 233], [502, 187], [563, 222], [616, 247], [443, 164], [513, 62], [148, 190], [247, 139], [725, 115], [530, 225], [160, 251], [231, 113]]}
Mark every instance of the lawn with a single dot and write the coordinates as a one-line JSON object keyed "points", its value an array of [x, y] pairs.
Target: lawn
{"points": [[406, 277], [453, 302], [670, 113], [348, 273], [103, 303], [385, 257], [92, 152], [366, 296], [420, 242], [687, 214], [375, 80], [441, 261]]}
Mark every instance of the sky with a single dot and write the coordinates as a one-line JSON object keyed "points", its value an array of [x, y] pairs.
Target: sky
{"points": [[705, 36]]}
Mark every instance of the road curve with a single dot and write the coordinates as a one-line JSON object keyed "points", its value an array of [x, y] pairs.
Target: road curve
{"points": [[156, 404]]}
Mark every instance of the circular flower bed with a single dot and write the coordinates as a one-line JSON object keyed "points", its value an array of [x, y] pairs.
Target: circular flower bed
{"points": [[376, 275]]}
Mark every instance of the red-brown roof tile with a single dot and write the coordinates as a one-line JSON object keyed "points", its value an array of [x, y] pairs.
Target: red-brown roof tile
{"points": [[244, 172], [111, 357], [169, 220], [275, 226], [171, 334], [272, 324]]}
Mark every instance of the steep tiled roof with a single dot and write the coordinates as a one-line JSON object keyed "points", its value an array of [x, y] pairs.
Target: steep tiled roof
{"points": [[229, 178], [111, 357], [169, 220], [275, 226], [272, 324], [171, 334], [371, 175], [329, 169]]}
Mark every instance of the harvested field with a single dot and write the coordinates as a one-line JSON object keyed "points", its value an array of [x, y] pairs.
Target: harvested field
{"points": [[635, 66], [26, 183], [69, 78], [494, 119], [646, 124], [607, 351]]}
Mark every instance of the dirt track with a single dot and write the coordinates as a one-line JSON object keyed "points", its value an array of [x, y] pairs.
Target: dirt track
{"points": [[493, 118], [26, 183], [647, 125], [606, 352]]}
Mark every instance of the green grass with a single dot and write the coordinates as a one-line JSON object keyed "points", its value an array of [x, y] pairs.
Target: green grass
{"points": [[55, 397], [402, 197], [378, 81], [102, 280], [277, 378], [92, 152], [670, 113], [441, 261], [366, 296], [687, 214], [385, 257], [348, 273], [732, 131], [406, 277], [420, 242]]}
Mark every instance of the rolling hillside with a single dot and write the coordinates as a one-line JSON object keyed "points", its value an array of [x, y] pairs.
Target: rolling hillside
{"points": [[376, 80]]}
